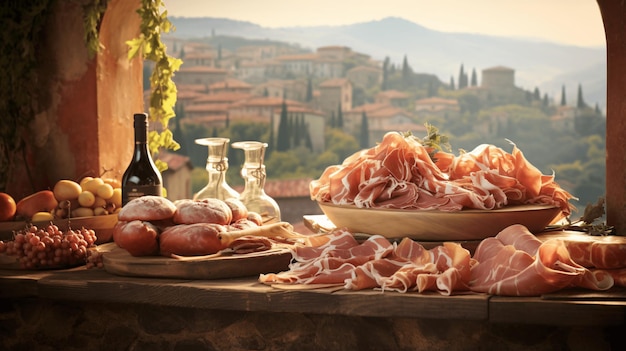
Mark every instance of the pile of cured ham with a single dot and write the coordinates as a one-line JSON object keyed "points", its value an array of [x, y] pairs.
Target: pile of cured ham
{"points": [[400, 173], [513, 263]]}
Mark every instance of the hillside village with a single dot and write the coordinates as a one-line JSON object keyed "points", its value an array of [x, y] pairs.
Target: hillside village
{"points": [[254, 83]]}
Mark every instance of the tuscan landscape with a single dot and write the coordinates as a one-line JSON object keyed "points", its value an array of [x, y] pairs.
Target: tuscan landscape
{"points": [[314, 107]]}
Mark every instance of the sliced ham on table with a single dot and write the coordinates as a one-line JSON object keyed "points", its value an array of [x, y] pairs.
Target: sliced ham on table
{"points": [[513, 263]]}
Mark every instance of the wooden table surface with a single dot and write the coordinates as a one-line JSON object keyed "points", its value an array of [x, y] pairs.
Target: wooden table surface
{"points": [[567, 307]]}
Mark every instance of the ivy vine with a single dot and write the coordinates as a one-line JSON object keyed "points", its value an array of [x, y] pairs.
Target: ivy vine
{"points": [[22, 25], [163, 91]]}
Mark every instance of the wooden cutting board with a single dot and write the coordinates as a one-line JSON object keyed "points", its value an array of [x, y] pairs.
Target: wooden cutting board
{"points": [[118, 261]]}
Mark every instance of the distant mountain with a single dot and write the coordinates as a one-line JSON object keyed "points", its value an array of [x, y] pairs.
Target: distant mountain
{"points": [[545, 65]]}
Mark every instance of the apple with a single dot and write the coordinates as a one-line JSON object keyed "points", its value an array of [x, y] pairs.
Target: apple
{"points": [[7, 207]]}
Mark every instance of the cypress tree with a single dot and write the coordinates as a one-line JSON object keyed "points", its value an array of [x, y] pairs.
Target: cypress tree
{"points": [[333, 123], [461, 78], [563, 99], [290, 128], [339, 117], [384, 84], [364, 141], [536, 94], [452, 86], [597, 109], [474, 81], [307, 137], [546, 102], [406, 73], [282, 144], [580, 103]]}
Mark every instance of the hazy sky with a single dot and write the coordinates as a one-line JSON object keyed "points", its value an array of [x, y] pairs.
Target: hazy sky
{"points": [[576, 22]]}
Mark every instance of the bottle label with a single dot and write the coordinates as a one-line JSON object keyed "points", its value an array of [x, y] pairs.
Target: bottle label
{"points": [[136, 191]]}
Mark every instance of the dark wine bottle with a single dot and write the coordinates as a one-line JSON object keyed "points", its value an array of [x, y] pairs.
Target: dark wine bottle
{"points": [[141, 177]]}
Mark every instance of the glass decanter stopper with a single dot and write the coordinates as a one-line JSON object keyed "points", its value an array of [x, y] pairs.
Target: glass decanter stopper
{"points": [[253, 173], [216, 166]]}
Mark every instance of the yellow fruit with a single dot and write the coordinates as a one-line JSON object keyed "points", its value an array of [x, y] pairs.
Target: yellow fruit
{"points": [[116, 199], [66, 190], [82, 212], [86, 199], [100, 211], [42, 216], [84, 181], [112, 182], [100, 202], [105, 191], [93, 184]]}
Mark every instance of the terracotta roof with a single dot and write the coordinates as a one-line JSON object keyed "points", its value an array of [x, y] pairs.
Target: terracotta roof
{"points": [[194, 55], [436, 100], [333, 48], [207, 107], [266, 101], [230, 83], [301, 57], [190, 87], [202, 69], [221, 97]]}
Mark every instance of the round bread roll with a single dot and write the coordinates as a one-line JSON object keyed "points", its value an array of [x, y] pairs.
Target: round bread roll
{"points": [[147, 208], [237, 207], [208, 210], [137, 237]]}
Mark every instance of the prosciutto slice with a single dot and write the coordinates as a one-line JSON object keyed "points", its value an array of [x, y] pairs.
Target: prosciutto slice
{"points": [[399, 173], [515, 263]]}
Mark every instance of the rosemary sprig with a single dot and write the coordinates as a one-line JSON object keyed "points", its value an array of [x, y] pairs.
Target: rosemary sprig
{"points": [[586, 223]]}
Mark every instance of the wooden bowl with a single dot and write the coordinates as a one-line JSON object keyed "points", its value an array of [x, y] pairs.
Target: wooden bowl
{"points": [[434, 225]]}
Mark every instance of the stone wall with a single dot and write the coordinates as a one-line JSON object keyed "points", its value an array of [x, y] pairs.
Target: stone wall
{"points": [[37, 324]]}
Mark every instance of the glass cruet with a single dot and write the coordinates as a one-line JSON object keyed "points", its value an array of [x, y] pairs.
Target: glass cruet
{"points": [[253, 173], [216, 166]]}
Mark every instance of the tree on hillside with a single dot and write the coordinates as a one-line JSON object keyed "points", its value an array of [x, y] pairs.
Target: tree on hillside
{"points": [[536, 94], [452, 86], [407, 72], [333, 122], [384, 84], [474, 81], [364, 140], [282, 144], [563, 99], [339, 117], [462, 78], [580, 103]]}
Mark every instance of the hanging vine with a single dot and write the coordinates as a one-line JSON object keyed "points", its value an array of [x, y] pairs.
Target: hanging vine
{"points": [[163, 92], [22, 25]]}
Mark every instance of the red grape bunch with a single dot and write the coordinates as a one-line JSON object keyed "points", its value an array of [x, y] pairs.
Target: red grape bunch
{"points": [[49, 247]]}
